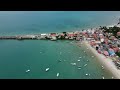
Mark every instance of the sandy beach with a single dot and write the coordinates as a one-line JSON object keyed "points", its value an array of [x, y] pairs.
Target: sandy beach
{"points": [[106, 62]]}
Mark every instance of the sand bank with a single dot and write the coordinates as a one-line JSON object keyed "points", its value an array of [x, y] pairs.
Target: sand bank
{"points": [[107, 62]]}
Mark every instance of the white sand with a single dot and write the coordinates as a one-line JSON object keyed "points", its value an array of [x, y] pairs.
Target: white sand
{"points": [[107, 62]]}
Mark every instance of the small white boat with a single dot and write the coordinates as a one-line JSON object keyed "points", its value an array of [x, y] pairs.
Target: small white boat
{"points": [[73, 63], [86, 74], [28, 70], [47, 69], [85, 65], [102, 67], [58, 74], [78, 60], [92, 56], [103, 78], [80, 57], [60, 60], [79, 68]]}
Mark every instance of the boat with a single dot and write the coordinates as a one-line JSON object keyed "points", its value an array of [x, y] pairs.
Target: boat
{"points": [[73, 63], [60, 60], [85, 65], [79, 67], [92, 56], [86, 74], [47, 69], [28, 70], [103, 78], [57, 74], [80, 57], [102, 67], [78, 60]]}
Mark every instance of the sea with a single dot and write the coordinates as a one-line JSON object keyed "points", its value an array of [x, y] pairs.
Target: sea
{"points": [[16, 57]]}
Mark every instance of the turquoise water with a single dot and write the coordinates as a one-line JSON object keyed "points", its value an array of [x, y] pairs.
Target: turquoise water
{"points": [[18, 56]]}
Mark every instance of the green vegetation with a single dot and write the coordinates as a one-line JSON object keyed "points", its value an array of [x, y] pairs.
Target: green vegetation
{"points": [[112, 30]]}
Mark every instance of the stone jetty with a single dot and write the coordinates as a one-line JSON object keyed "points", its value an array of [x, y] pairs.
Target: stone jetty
{"points": [[77, 35]]}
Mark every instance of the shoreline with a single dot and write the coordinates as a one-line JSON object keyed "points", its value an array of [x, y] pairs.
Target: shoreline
{"points": [[107, 62]]}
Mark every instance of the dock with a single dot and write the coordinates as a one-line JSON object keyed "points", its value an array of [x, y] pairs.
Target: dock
{"points": [[50, 36]]}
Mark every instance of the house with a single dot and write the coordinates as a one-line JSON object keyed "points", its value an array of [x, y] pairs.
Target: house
{"points": [[53, 34], [70, 34]]}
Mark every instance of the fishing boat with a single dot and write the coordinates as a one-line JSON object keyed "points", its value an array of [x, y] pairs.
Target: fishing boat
{"points": [[60, 60], [47, 69], [85, 65], [102, 67], [28, 70], [73, 64], [80, 57], [57, 74], [92, 56], [79, 67]]}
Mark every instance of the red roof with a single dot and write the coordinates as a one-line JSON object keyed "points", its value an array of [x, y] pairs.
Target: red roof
{"points": [[116, 49], [92, 43], [53, 34], [71, 35]]}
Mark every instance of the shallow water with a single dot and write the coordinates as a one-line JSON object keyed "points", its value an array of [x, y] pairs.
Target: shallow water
{"points": [[19, 56]]}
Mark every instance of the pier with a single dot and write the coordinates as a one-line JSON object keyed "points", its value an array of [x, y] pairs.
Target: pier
{"points": [[51, 36]]}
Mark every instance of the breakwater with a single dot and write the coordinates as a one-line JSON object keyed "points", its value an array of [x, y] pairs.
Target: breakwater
{"points": [[44, 36]]}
